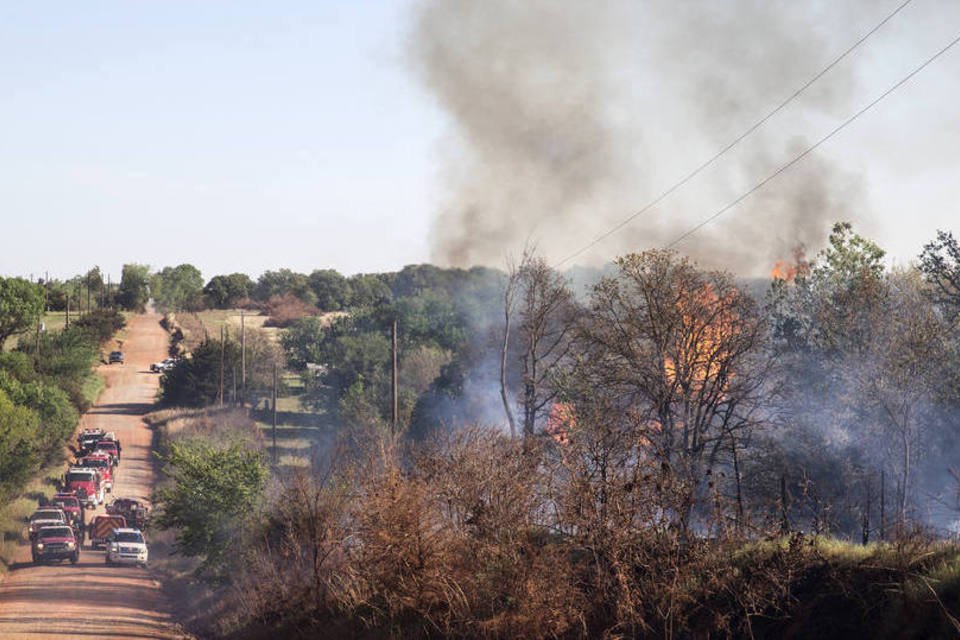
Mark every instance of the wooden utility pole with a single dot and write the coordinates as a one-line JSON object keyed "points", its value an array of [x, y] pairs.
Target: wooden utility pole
{"points": [[223, 344], [395, 417], [784, 518], [66, 321], [243, 360], [275, 380], [883, 504]]}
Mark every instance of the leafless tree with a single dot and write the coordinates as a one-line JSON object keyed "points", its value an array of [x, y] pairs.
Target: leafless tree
{"points": [[546, 311], [682, 352]]}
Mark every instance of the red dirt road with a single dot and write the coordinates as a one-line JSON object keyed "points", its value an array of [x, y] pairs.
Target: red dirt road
{"points": [[92, 600]]}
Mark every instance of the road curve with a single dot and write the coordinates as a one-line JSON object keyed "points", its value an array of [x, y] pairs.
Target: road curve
{"points": [[92, 600]]}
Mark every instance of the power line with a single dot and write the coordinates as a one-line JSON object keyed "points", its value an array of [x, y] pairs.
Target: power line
{"points": [[809, 149], [735, 141]]}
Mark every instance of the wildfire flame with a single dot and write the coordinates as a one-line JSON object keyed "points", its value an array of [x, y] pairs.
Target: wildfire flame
{"points": [[789, 270]]}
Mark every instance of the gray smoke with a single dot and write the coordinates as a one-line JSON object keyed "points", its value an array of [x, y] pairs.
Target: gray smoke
{"points": [[568, 116]]}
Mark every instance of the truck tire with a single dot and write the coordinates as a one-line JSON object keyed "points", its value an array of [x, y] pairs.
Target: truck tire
{"points": [[75, 558]]}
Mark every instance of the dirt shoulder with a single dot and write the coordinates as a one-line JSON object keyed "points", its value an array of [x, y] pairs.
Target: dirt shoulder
{"points": [[92, 600]]}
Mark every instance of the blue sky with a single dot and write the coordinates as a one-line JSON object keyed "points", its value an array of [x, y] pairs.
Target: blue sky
{"points": [[249, 135], [239, 136]]}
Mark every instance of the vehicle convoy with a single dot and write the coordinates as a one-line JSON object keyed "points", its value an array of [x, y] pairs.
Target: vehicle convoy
{"points": [[88, 439], [85, 483], [103, 464], [55, 543], [46, 517], [102, 527], [133, 511], [126, 546], [73, 509]]}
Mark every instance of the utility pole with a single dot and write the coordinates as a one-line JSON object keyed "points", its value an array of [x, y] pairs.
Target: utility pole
{"points": [[275, 378], [222, 348], [784, 518], [393, 377], [883, 505], [243, 361], [66, 321]]}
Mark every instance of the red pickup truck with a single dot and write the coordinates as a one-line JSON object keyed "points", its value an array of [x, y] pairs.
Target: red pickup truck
{"points": [[55, 543]]}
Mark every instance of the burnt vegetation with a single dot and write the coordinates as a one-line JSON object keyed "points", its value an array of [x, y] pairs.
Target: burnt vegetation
{"points": [[669, 452]]}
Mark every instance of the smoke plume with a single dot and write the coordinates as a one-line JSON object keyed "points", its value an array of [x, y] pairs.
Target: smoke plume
{"points": [[569, 116]]}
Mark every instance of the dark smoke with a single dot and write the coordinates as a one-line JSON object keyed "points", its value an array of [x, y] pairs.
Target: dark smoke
{"points": [[568, 116]]}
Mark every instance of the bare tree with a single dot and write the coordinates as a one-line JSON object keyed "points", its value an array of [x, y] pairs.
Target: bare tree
{"points": [[682, 352], [546, 312]]}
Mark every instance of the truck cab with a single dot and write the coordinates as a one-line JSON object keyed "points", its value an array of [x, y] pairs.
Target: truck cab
{"points": [[55, 543], [85, 483], [110, 448], [88, 439], [45, 517], [73, 508], [103, 464]]}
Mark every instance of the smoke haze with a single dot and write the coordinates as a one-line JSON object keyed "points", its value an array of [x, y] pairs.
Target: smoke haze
{"points": [[569, 116]]}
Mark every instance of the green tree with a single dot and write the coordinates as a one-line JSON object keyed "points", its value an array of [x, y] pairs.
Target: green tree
{"points": [[18, 456], [178, 288], [214, 493], [134, 291], [224, 292], [331, 289], [302, 342], [284, 281], [21, 303]]}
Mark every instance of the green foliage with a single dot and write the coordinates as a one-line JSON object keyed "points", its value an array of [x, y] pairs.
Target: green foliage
{"points": [[940, 266], [224, 292], [215, 490], [369, 290], [195, 381], [284, 281], [57, 416], [302, 342], [101, 323], [134, 288], [21, 303], [18, 456], [178, 288], [332, 290]]}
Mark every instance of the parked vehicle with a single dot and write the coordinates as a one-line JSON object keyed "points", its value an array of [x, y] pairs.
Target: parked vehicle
{"points": [[103, 463], [133, 511], [73, 508], [55, 543], [85, 483], [163, 366], [101, 527], [116, 356], [127, 546], [45, 517]]}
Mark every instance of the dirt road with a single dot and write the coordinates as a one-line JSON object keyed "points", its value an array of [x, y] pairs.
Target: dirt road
{"points": [[92, 600]]}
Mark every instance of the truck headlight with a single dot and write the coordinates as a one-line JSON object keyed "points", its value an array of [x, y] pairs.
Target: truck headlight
{"points": [[115, 547], [71, 545], [39, 546]]}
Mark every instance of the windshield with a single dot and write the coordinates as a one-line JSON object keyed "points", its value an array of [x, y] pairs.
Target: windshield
{"points": [[100, 464], [106, 445], [75, 476], [67, 502], [46, 515], [127, 536], [55, 532]]}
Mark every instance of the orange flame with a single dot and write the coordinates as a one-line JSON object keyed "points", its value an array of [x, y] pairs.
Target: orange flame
{"points": [[788, 271], [561, 420]]}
